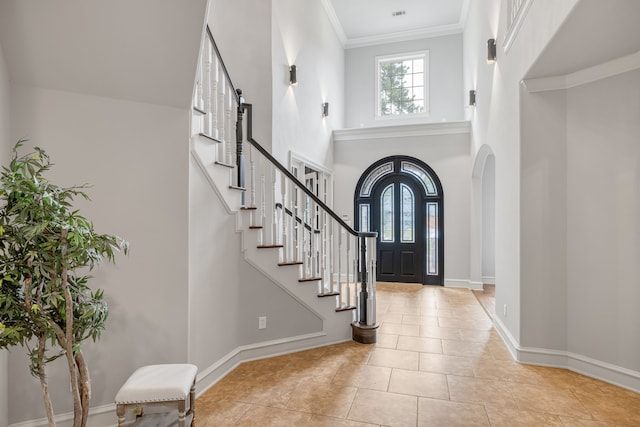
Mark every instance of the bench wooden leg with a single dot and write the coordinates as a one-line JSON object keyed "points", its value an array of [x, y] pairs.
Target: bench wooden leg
{"points": [[120, 412], [192, 400], [181, 413]]}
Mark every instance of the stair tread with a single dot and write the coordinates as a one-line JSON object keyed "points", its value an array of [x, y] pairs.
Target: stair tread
{"points": [[248, 208], [255, 227], [199, 110], [209, 137], [269, 246], [226, 165], [235, 187], [309, 279], [282, 264], [346, 308], [329, 294]]}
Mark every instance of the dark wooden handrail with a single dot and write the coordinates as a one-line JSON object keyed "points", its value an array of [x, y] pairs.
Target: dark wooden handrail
{"points": [[249, 109], [224, 67], [298, 219]]}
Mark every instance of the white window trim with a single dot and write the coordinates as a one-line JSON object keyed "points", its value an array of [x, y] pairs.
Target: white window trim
{"points": [[427, 89]]}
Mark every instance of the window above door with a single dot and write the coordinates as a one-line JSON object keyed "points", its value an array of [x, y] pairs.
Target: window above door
{"points": [[402, 85]]}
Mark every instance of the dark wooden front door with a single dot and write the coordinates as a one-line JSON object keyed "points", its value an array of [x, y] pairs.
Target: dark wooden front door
{"points": [[398, 215]]}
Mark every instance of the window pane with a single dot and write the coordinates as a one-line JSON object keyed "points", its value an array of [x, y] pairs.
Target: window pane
{"points": [[386, 216], [364, 217], [418, 65], [421, 174], [432, 238], [408, 218], [400, 82]]}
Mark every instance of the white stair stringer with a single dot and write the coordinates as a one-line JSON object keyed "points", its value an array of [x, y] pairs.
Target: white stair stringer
{"points": [[220, 177], [336, 324]]}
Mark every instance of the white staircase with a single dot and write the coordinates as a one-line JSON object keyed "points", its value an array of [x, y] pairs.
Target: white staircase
{"points": [[288, 233]]}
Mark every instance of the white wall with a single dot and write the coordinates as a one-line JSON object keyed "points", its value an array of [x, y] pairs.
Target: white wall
{"points": [[5, 143], [445, 80], [489, 221], [136, 156], [447, 155], [495, 122], [603, 199], [304, 36]]}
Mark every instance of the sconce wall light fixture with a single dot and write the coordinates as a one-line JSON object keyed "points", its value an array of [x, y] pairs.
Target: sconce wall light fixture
{"points": [[325, 109], [491, 51], [293, 76], [472, 98]]}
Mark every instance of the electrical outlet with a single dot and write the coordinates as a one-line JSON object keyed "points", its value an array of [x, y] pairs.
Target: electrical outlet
{"points": [[262, 322], [504, 310]]}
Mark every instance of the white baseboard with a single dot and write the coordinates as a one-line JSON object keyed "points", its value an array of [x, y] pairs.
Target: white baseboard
{"points": [[461, 283], [105, 416], [607, 372], [212, 374], [489, 280]]}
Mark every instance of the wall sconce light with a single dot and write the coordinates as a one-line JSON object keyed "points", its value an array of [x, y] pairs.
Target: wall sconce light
{"points": [[472, 98], [293, 76], [325, 109], [491, 51]]}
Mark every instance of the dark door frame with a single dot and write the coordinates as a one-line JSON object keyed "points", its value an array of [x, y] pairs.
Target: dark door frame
{"points": [[408, 168]]}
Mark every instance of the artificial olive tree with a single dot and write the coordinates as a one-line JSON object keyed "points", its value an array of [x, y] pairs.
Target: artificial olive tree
{"points": [[46, 249]]}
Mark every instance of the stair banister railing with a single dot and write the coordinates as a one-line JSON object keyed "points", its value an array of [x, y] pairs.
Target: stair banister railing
{"points": [[286, 211]]}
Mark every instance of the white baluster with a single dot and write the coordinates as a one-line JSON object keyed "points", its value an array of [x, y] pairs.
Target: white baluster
{"points": [[283, 224], [207, 80], [220, 125], [214, 83], [263, 208], [252, 163], [292, 222], [274, 219], [339, 262], [337, 287], [230, 125]]}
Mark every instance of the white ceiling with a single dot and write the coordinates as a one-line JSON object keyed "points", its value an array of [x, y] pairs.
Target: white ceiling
{"points": [[362, 22]]}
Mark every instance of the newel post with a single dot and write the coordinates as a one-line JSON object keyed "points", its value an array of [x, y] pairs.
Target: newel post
{"points": [[364, 330], [239, 139]]}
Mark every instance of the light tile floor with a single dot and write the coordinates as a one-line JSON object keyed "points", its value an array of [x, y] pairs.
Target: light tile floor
{"points": [[438, 362]]}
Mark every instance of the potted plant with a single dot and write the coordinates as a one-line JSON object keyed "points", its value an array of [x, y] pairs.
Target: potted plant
{"points": [[46, 249]]}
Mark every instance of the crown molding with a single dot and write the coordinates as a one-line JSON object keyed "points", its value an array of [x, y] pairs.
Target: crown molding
{"points": [[402, 131], [402, 36], [335, 22], [587, 75]]}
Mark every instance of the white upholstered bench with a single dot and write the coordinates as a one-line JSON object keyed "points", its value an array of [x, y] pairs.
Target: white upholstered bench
{"points": [[171, 386]]}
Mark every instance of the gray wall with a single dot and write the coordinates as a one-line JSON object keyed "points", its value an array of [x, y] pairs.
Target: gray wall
{"points": [[226, 294], [445, 80], [603, 199], [5, 143], [543, 207], [136, 156]]}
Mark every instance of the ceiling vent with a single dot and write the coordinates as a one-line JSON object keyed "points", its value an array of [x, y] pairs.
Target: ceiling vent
{"points": [[399, 13]]}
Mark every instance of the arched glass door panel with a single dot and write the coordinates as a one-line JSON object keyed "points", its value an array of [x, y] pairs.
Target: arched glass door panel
{"points": [[387, 214], [407, 208]]}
